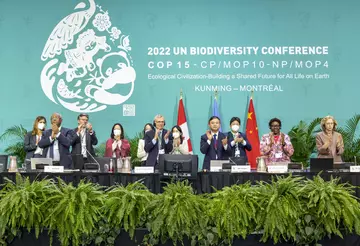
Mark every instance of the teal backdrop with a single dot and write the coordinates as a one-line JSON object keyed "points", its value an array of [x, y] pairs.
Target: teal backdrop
{"points": [[125, 87]]}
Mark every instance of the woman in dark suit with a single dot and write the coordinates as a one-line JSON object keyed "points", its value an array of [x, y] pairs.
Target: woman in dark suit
{"points": [[32, 139]]}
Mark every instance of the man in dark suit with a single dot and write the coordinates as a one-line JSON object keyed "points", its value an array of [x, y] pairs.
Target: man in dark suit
{"points": [[238, 141], [213, 144], [56, 142], [84, 139], [157, 142]]}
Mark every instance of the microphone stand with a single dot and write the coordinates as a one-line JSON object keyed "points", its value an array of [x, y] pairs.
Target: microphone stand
{"points": [[88, 152]]}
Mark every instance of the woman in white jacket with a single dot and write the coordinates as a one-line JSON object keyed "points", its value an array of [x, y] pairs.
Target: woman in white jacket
{"points": [[180, 146], [141, 154]]}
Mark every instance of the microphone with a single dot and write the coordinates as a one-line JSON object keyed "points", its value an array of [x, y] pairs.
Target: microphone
{"points": [[88, 152]]}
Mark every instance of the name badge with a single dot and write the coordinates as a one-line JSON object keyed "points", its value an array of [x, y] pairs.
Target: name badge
{"points": [[237, 152], [161, 152], [278, 155], [144, 170], [53, 169], [277, 168], [240, 169], [355, 169]]}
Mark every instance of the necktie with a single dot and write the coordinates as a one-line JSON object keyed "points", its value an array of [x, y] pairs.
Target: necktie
{"points": [[160, 139], [237, 152], [215, 141], [52, 151]]}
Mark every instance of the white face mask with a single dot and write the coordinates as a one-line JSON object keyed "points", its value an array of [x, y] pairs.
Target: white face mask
{"points": [[117, 132], [235, 128], [176, 134], [41, 126]]}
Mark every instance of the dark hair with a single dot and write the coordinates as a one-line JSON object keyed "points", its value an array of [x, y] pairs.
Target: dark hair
{"points": [[34, 130], [122, 131], [213, 117], [274, 120], [235, 119], [83, 114], [181, 133], [148, 124]]}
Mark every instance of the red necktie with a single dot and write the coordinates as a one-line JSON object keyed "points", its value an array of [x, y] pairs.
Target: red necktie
{"points": [[215, 141]]}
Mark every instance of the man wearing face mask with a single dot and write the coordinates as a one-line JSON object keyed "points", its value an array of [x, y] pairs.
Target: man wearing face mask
{"points": [[157, 142], [32, 139], [56, 142], [84, 139], [238, 141]]}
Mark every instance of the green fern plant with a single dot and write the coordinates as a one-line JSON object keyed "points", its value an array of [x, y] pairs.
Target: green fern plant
{"points": [[74, 211], [134, 142], [100, 149], [281, 208], [125, 206], [329, 206], [303, 140], [351, 139], [21, 204], [15, 136], [175, 214], [233, 210]]}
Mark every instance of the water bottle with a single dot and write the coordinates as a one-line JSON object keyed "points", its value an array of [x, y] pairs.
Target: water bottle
{"points": [[106, 168], [111, 167]]}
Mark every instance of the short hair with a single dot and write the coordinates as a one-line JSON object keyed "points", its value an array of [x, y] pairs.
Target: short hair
{"points": [[213, 117], [235, 119], [148, 124], [323, 122], [274, 120], [58, 114], [158, 116], [83, 114], [122, 131]]}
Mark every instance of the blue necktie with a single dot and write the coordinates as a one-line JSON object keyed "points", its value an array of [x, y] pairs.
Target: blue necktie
{"points": [[215, 141], [52, 151]]}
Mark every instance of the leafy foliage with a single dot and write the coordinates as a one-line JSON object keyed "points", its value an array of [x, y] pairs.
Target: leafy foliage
{"points": [[15, 135], [329, 206], [74, 211], [134, 142], [125, 206], [176, 213], [281, 208], [233, 210], [21, 204], [351, 139], [100, 149], [303, 140]]}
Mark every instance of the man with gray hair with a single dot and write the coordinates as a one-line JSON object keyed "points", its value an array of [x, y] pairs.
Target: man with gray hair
{"points": [[56, 142], [157, 142]]}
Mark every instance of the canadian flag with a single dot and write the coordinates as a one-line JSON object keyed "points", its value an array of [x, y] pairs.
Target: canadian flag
{"points": [[181, 121]]}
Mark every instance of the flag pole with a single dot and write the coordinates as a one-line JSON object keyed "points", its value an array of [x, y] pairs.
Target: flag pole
{"points": [[181, 93], [252, 93], [216, 94]]}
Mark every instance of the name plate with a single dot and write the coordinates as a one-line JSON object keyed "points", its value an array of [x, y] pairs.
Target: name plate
{"points": [[215, 169], [355, 169], [240, 169], [277, 169], [53, 169], [144, 170]]}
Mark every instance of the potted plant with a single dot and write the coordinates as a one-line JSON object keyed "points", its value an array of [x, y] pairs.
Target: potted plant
{"points": [[351, 139], [15, 136], [303, 140]]}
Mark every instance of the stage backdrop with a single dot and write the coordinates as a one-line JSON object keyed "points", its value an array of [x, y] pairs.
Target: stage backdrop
{"points": [[126, 61]]}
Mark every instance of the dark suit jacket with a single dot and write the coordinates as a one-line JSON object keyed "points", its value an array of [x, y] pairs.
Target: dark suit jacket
{"points": [[210, 152], [90, 141], [153, 150], [30, 145], [65, 139], [242, 148]]}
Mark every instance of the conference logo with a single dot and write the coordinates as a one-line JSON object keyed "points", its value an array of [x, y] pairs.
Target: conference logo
{"points": [[88, 63]]}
